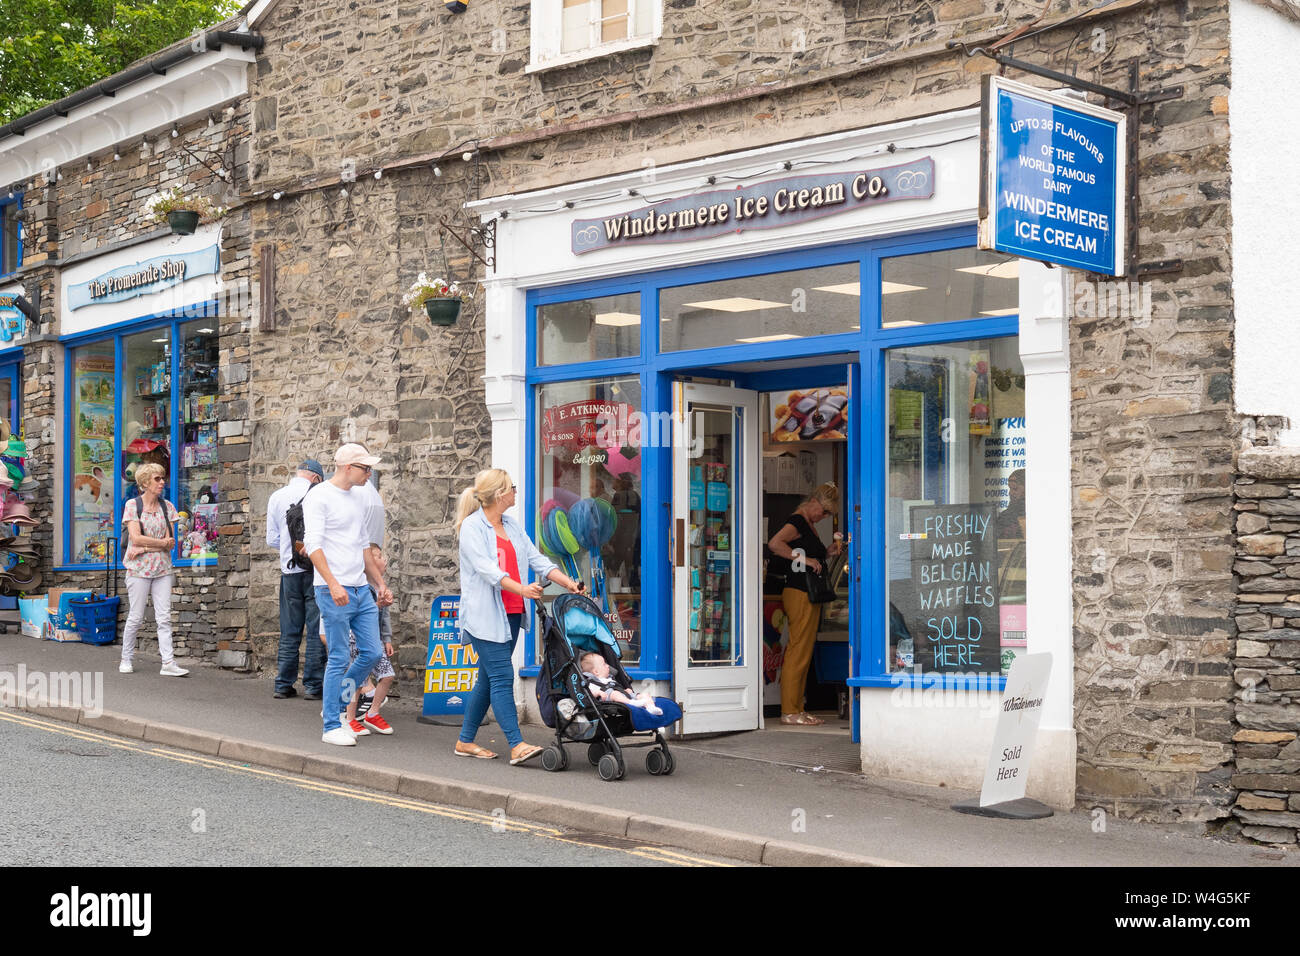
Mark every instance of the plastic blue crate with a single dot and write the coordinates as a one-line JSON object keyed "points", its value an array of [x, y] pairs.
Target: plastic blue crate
{"points": [[96, 619]]}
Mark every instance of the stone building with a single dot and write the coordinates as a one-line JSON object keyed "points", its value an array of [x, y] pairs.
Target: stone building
{"points": [[1153, 558]]}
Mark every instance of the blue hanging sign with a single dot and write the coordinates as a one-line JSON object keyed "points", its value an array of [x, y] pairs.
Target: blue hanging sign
{"points": [[452, 668], [13, 323], [143, 278], [1053, 179]]}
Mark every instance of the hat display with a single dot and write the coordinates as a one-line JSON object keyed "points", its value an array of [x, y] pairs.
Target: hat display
{"points": [[354, 454]]}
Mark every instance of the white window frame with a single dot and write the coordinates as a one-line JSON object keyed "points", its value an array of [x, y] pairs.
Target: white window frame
{"points": [[546, 33]]}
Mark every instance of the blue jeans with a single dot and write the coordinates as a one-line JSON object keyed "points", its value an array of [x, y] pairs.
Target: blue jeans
{"points": [[298, 607], [495, 683], [361, 616]]}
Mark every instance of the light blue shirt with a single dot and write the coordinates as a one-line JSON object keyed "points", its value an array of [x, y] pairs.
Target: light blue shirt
{"points": [[482, 612]]}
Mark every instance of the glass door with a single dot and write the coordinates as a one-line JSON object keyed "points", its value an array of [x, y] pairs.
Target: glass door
{"points": [[716, 550]]}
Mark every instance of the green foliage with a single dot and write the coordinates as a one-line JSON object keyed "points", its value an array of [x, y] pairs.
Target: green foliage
{"points": [[52, 48]]}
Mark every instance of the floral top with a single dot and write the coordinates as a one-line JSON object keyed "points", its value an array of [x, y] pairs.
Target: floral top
{"points": [[153, 524]]}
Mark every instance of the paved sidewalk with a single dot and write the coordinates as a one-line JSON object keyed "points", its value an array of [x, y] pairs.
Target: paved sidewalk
{"points": [[735, 807]]}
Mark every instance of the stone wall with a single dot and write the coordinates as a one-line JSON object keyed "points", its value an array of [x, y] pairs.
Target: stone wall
{"points": [[1267, 660], [94, 208], [384, 86]]}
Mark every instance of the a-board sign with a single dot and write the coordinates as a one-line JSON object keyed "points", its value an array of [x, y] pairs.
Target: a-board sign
{"points": [[1019, 714], [1053, 185], [954, 571], [451, 668]]}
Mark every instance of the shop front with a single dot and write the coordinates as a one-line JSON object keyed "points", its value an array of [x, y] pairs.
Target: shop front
{"points": [[677, 362], [139, 383]]}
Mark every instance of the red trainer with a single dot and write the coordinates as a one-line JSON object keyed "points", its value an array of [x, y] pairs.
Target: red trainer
{"points": [[377, 723], [358, 728]]}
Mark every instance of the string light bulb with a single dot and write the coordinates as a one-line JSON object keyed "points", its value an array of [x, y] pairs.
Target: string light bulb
{"points": [[379, 174], [437, 171], [175, 131]]}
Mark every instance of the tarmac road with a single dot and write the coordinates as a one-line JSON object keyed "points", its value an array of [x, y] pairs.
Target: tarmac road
{"points": [[76, 797]]}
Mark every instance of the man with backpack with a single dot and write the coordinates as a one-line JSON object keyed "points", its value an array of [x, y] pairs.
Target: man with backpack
{"points": [[285, 533]]}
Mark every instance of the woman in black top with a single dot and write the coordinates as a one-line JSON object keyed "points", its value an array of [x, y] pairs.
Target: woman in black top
{"points": [[796, 538]]}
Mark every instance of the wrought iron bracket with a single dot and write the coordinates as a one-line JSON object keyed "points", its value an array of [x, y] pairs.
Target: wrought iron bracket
{"points": [[484, 236]]}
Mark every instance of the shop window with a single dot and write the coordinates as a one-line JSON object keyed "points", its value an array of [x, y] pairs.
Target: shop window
{"points": [[588, 494], [947, 285], [955, 518], [10, 235], [765, 308], [587, 329], [564, 31], [168, 409], [197, 469], [93, 452]]}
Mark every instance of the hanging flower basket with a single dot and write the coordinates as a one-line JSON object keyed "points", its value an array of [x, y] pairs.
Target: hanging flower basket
{"points": [[441, 299], [182, 211], [183, 221], [443, 310]]}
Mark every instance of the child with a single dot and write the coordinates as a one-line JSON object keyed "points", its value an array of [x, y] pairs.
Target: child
{"points": [[604, 687]]}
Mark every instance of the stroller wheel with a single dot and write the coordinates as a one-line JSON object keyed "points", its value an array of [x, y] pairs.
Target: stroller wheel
{"points": [[670, 762], [595, 752], [655, 762], [610, 768], [554, 758]]}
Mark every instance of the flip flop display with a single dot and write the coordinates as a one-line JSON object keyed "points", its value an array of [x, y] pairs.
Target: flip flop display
{"points": [[20, 557]]}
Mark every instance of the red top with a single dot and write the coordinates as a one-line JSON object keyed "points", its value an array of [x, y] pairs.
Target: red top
{"points": [[510, 565]]}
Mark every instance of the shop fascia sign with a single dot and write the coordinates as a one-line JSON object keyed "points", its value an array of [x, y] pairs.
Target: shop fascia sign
{"points": [[142, 278], [1053, 178], [767, 205]]}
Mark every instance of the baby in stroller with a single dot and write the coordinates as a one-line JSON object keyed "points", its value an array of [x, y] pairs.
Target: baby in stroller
{"points": [[603, 686]]}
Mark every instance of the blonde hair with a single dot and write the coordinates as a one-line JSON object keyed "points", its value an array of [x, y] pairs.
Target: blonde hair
{"points": [[146, 473], [489, 485], [828, 496]]}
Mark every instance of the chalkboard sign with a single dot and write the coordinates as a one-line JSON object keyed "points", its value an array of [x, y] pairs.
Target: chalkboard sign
{"points": [[954, 571]]}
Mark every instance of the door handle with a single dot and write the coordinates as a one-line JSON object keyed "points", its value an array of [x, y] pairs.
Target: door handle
{"points": [[679, 543]]}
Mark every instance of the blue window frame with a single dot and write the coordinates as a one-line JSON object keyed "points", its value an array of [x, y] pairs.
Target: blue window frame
{"points": [[657, 368], [11, 233], [180, 420]]}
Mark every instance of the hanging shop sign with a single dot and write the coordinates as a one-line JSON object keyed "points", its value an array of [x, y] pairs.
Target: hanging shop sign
{"points": [[13, 320], [452, 666], [142, 278], [778, 202], [1053, 178]]}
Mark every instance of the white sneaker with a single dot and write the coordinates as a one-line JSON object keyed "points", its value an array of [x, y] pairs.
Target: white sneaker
{"points": [[173, 670], [340, 736], [125, 668]]}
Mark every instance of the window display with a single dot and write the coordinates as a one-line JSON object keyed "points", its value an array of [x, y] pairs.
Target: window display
{"points": [[93, 431], [588, 496], [196, 472], [955, 522]]}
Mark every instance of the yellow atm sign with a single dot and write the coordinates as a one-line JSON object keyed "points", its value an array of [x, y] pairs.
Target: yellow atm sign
{"points": [[451, 668]]}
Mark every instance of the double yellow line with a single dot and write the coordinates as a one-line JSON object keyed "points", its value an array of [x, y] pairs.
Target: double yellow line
{"points": [[497, 824]]}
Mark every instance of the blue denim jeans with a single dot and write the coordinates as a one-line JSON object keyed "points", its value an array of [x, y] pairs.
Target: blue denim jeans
{"points": [[361, 616], [495, 684], [298, 608]]}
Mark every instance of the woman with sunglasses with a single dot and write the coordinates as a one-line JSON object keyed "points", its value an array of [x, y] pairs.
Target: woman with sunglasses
{"points": [[493, 550], [149, 520]]}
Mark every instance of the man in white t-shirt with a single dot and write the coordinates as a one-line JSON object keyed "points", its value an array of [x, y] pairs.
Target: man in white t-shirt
{"points": [[297, 599], [338, 543]]}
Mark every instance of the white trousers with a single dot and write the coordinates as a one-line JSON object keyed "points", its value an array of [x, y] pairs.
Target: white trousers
{"points": [[139, 590]]}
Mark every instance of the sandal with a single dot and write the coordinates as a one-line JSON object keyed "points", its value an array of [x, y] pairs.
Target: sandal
{"points": [[524, 752], [804, 719], [473, 750]]}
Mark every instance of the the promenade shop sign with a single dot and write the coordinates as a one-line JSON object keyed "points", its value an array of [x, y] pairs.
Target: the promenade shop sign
{"points": [[1053, 184], [778, 202], [141, 278]]}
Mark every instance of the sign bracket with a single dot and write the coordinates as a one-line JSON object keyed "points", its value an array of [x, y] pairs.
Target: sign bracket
{"points": [[1132, 99]]}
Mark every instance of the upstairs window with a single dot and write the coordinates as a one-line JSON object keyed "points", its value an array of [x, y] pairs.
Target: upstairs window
{"points": [[11, 236], [566, 31]]}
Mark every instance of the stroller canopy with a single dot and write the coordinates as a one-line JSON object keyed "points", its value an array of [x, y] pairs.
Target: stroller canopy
{"points": [[583, 625]]}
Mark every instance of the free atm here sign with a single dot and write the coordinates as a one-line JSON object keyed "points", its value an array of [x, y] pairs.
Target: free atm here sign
{"points": [[1053, 178]]}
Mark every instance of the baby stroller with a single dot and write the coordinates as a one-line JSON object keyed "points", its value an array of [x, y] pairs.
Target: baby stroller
{"points": [[574, 627]]}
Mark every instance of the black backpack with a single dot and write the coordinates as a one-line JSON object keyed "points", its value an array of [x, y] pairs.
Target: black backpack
{"points": [[297, 529]]}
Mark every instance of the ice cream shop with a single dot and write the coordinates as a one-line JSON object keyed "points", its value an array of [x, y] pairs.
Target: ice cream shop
{"points": [[713, 377]]}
